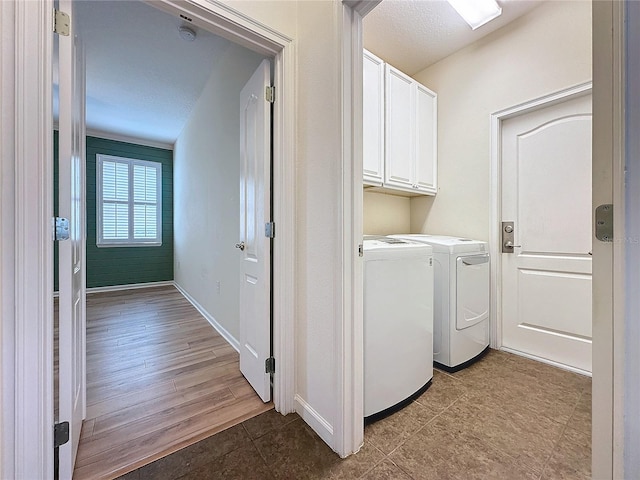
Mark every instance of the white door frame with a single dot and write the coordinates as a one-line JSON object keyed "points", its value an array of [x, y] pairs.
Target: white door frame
{"points": [[496, 195], [26, 447], [610, 359], [27, 246], [349, 434]]}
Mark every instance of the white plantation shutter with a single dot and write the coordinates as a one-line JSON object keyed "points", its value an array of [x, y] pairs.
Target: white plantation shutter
{"points": [[129, 201], [145, 199], [115, 200]]}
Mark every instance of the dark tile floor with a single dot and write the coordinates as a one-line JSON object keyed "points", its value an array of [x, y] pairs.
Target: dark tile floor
{"points": [[505, 417]]}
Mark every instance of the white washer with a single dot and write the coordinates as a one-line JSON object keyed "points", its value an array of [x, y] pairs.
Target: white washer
{"points": [[461, 301], [398, 323]]}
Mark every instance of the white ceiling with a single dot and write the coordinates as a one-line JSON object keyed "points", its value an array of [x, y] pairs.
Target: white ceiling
{"points": [[413, 34], [142, 78]]}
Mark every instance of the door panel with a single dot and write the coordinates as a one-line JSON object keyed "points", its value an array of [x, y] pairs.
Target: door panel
{"points": [[255, 211], [547, 229], [72, 306], [426, 140], [546, 281], [373, 119], [399, 137]]}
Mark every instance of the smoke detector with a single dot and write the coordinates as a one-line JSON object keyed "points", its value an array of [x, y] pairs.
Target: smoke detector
{"points": [[187, 33]]}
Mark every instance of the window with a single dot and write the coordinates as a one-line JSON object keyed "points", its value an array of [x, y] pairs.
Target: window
{"points": [[129, 206]]}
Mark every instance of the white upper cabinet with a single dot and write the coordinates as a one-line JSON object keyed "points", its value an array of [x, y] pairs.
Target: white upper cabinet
{"points": [[399, 131], [373, 120], [426, 163], [411, 132]]}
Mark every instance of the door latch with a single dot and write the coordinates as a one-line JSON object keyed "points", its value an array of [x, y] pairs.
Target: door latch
{"points": [[604, 223], [508, 237]]}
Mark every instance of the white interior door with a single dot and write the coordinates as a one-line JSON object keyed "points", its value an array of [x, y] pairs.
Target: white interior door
{"points": [[72, 251], [546, 192], [255, 211]]}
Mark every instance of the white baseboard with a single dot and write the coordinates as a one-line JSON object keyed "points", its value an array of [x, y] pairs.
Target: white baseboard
{"points": [[214, 323], [323, 428], [131, 286]]}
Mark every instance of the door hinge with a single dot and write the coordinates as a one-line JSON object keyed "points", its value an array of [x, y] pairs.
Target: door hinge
{"points": [[270, 230], [604, 223], [60, 229], [60, 434], [270, 365], [61, 23], [270, 94]]}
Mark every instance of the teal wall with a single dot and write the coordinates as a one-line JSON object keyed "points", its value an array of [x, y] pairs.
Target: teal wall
{"points": [[108, 266]]}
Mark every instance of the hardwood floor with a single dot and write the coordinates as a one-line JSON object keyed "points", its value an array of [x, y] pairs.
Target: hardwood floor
{"points": [[159, 378]]}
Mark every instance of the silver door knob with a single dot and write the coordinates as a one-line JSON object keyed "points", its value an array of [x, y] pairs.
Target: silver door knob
{"points": [[240, 246], [509, 244]]}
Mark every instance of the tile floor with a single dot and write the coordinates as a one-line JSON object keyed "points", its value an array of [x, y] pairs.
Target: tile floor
{"points": [[505, 417]]}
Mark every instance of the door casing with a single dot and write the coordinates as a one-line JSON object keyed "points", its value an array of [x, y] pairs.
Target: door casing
{"points": [[496, 195]]}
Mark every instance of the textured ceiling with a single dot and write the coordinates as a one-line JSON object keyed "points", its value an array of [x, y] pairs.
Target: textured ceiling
{"points": [[142, 78], [413, 34]]}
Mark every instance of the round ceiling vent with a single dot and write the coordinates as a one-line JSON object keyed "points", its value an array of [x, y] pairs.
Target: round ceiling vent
{"points": [[187, 33]]}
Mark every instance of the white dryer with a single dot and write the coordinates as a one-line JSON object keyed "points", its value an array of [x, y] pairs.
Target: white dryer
{"points": [[398, 323], [461, 300]]}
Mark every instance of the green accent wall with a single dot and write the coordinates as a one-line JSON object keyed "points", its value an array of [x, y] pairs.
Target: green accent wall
{"points": [[108, 266]]}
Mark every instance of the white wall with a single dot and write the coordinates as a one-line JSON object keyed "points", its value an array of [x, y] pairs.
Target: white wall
{"points": [[207, 190], [319, 215], [316, 28], [386, 214], [544, 51]]}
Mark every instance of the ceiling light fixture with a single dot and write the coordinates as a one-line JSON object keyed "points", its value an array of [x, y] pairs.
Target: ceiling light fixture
{"points": [[187, 33], [476, 12]]}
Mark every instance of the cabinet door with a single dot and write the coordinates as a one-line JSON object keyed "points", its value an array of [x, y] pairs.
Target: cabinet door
{"points": [[399, 138], [373, 119], [426, 165]]}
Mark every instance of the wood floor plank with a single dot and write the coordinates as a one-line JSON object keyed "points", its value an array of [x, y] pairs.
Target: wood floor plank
{"points": [[112, 404], [87, 428], [169, 439], [114, 386], [155, 405], [159, 378]]}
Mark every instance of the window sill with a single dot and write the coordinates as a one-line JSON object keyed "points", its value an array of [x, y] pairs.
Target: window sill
{"points": [[137, 244]]}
